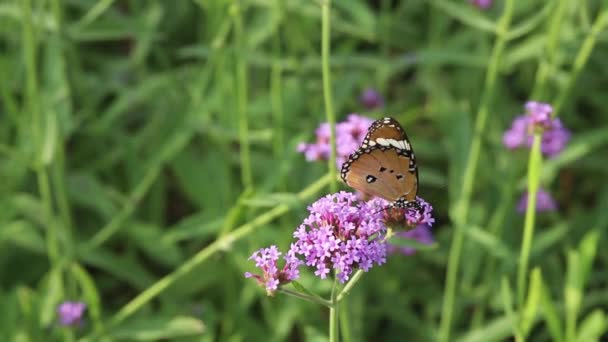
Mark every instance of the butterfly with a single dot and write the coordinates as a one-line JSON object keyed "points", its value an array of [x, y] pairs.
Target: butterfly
{"points": [[384, 165]]}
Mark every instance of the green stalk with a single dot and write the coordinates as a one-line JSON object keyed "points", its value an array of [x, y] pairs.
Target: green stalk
{"points": [[327, 95], [334, 334], [547, 59], [221, 243], [345, 291], [33, 106], [463, 204], [581, 60], [310, 298], [534, 171], [276, 92], [241, 95]]}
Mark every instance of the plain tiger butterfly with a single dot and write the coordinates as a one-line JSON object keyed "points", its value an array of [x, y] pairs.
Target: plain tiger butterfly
{"points": [[384, 165]]}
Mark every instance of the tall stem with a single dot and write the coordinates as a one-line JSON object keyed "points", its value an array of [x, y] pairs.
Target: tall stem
{"points": [[241, 96], [462, 206], [327, 95], [534, 169], [333, 313]]}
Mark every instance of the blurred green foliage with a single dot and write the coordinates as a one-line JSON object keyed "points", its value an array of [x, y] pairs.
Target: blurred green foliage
{"points": [[122, 130]]}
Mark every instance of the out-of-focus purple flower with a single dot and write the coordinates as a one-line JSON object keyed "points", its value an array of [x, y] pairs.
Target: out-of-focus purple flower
{"points": [[544, 202], [421, 233], [343, 234], [266, 260], [406, 218], [71, 313], [349, 135], [483, 4], [538, 117], [371, 99], [539, 113]]}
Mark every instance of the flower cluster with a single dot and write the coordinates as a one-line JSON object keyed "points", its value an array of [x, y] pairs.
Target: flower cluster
{"points": [[349, 135], [483, 4], [342, 234], [371, 99], [538, 117], [266, 259], [421, 233], [544, 202], [71, 313]]}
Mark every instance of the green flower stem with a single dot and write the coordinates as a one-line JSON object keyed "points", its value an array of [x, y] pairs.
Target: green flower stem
{"points": [[311, 298], [355, 278], [581, 60], [275, 90], [241, 95], [327, 95], [461, 208], [534, 171], [219, 244], [547, 59], [334, 334], [33, 107]]}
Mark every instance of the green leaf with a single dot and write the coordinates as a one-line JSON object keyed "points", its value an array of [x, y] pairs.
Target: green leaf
{"points": [[90, 295], [587, 249], [149, 239], [572, 294], [489, 242], [499, 329], [554, 324], [53, 295], [159, 328], [535, 289], [466, 14], [593, 326], [507, 302]]}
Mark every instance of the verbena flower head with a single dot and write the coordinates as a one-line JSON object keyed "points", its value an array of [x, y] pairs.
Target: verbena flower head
{"points": [[371, 99], [483, 4], [407, 218], [71, 313], [421, 233], [538, 117], [271, 278], [544, 202], [341, 234], [349, 135]]}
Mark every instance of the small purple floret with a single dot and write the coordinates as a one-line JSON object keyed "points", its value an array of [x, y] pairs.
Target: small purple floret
{"points": [[544, 202], [349, 135], [266, 260], [71, 313], [371, 99], [538, 117], [483, 4]]}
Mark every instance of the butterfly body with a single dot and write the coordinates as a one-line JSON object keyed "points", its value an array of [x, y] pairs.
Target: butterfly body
{"points": [[384, 165]]}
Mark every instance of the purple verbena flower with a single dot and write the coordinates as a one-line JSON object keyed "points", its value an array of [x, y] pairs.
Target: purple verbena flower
{"points": [[266, 260], [538, 117], [544, 202], [483, 4], [71, 313], [349, 135], [406, 218], [341, 233], [371, 99], [421, 233]]}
